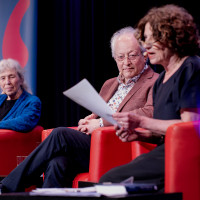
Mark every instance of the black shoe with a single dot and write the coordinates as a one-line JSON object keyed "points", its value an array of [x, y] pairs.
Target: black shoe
{"points": [[3, 189]]}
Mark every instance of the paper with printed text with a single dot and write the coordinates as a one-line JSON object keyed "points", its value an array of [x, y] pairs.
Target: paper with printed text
{"points": [[85, 95]]}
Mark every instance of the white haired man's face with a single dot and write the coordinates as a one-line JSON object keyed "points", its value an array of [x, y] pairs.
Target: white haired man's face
{"points": [[128, 56]]}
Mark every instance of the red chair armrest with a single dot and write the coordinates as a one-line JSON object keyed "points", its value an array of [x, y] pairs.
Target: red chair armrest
{"points": [[106, 152], [139, 148], [182, 159], [46, 132]]}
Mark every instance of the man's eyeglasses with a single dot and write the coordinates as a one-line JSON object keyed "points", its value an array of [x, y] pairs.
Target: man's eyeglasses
{"points": [[132, 57]]}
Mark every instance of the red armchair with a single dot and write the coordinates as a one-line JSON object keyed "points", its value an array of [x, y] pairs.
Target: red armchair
{"points": [[182, 160], [182, 157], [106, 152], [13, 144]]}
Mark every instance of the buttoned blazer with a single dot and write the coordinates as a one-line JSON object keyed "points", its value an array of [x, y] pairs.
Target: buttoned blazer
{"points": [[139, 100]]}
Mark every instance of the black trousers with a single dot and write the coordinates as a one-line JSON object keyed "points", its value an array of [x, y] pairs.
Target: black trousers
{"points": [[62, 155], [146, 168]]}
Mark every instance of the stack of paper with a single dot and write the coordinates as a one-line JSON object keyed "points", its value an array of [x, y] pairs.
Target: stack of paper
{"points": [[109, 190], [78, 192]]}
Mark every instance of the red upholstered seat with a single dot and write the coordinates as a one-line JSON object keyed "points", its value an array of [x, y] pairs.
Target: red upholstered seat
{"points": [[182, 157], [13, 144]]}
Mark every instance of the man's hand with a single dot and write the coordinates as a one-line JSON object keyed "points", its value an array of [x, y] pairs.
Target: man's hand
{"points": [[88, 124], [84, 121]]}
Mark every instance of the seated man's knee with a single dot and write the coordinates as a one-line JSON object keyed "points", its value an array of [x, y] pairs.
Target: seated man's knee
{"points": [[57, 132], [58, 162]]}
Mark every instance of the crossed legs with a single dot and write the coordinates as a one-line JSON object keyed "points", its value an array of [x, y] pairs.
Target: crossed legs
{"points": [[63, 154]]}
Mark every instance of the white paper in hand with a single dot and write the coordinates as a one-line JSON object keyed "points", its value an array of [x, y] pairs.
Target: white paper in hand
{"points": [[85, 95]]}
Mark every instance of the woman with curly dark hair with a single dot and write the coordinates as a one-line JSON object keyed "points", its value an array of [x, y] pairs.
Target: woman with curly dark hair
{"points": [[171, 39], [173, 27]]}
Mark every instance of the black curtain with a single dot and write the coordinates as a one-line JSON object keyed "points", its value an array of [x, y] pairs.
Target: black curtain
{"points": [[74, 43]]}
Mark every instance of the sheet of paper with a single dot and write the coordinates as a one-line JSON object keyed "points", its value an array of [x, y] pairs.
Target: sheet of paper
{"points": [[109, 190], [85, 95], [73, 192], [96, 191]]}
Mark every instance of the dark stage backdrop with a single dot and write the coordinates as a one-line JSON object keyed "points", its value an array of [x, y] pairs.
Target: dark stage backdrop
{"points": [[74, 43]]}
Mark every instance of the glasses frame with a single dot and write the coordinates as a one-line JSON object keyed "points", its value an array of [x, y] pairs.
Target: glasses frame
{"points": [[131, 57]]}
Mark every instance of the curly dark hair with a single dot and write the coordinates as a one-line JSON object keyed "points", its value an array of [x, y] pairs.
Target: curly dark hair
{"points": [[173, 27]]}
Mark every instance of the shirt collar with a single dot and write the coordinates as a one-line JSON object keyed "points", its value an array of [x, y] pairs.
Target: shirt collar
{"points": [[134, 79]]}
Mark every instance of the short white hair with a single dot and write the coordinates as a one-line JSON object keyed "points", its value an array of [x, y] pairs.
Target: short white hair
{"points": [[123, 31]]}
